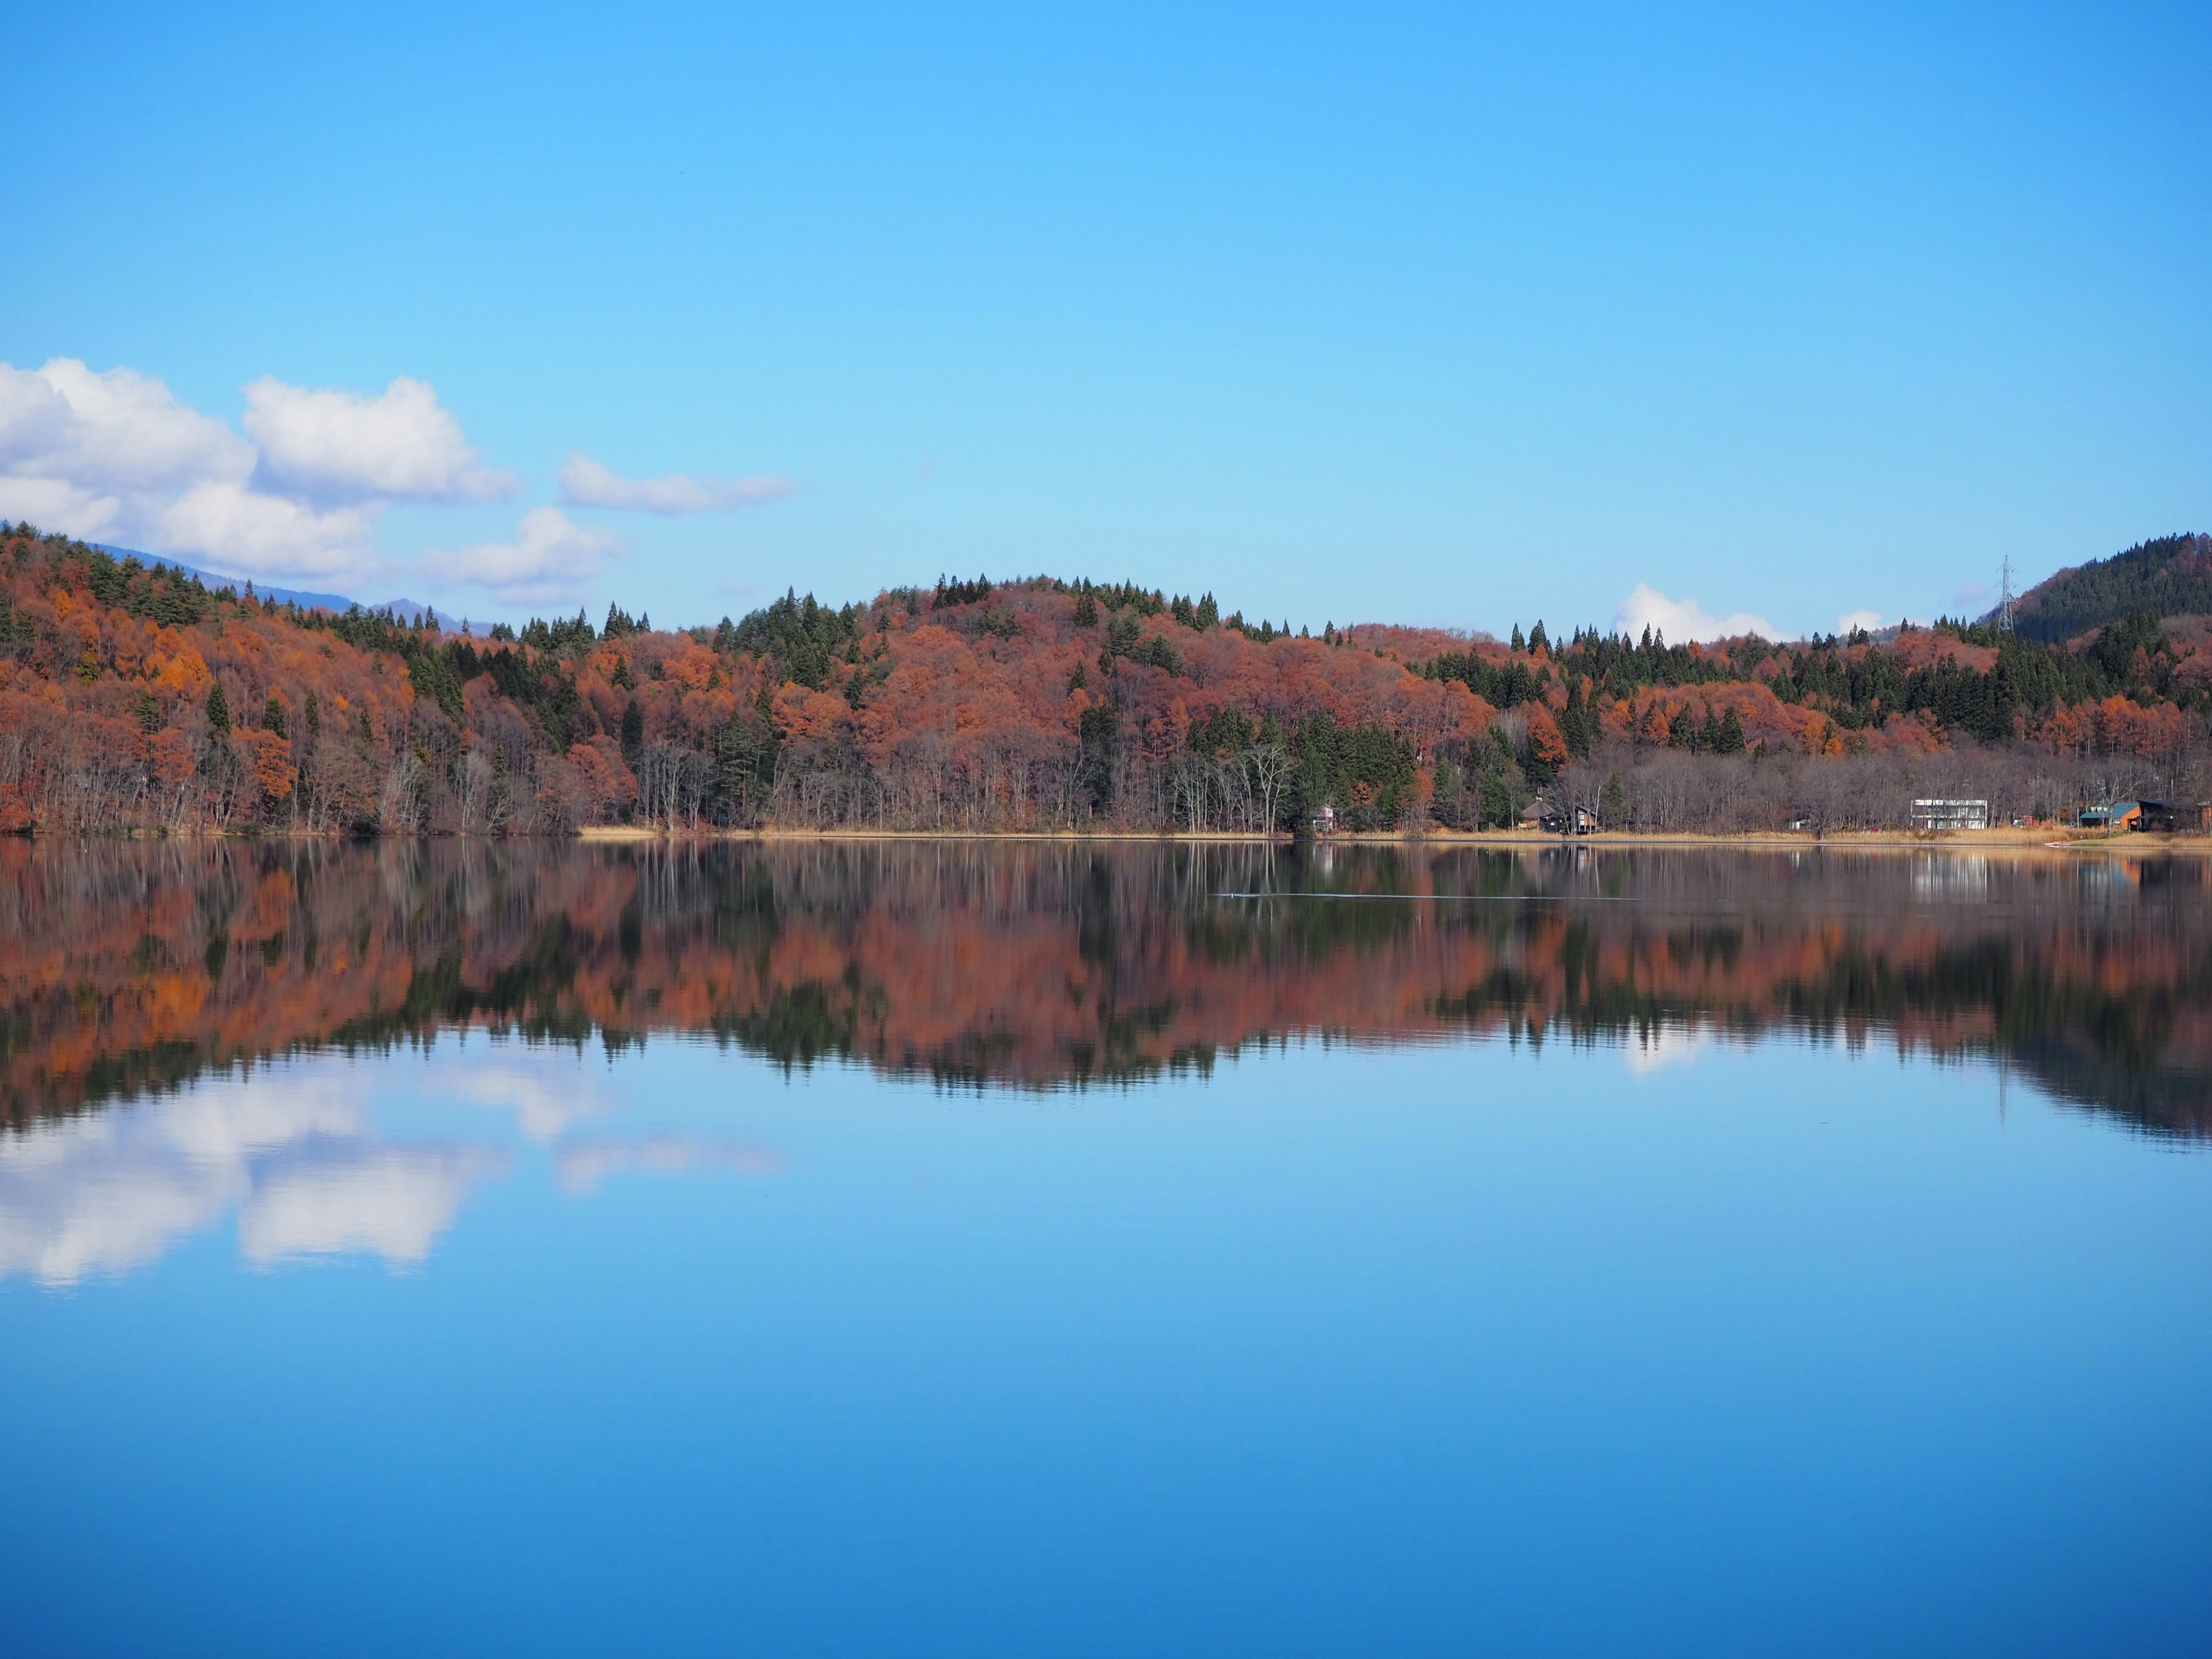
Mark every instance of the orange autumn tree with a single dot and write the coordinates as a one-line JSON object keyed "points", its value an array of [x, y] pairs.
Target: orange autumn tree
{"points": [[1033, 705]]}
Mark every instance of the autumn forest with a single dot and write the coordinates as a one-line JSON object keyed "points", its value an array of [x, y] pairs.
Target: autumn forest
{"points": [[134, 698]]}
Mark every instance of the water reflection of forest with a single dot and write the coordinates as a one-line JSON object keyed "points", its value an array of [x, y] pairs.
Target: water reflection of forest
{"points": [[135, 966]]}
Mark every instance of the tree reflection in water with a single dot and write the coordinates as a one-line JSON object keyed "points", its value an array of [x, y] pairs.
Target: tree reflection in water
{"points": [[131, 968]]}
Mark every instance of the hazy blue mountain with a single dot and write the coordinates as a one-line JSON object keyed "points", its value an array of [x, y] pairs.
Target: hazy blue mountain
{"points": [[405, 610]]}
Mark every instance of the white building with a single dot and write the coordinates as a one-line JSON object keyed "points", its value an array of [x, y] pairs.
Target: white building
{"points": [[1950, 815]]}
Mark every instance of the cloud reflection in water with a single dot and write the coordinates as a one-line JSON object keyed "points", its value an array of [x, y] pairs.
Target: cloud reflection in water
{"points": [[585, 1165], [296, 1152]]}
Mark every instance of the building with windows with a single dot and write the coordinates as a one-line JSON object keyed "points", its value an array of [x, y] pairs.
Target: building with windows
{"points": [[1950, 815], [2173, 816], [1542, 815], [2113, 815]]}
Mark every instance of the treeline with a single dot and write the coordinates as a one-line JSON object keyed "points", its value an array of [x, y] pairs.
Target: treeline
{"points": [[136, 698], [1968, 678]]}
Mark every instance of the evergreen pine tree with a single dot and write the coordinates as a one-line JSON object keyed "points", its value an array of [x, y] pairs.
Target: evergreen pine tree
{"points": [[1497, 801], [1577, 725], [1613, 805]]}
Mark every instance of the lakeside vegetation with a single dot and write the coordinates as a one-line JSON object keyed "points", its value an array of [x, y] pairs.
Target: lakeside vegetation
{"points": [[135, 698]]}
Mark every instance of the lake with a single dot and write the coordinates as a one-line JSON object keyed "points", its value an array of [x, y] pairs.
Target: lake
{"points": [[982, 1247]]}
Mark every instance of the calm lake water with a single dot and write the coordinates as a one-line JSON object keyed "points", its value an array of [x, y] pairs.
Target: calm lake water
{"points": [[967, 1249]]}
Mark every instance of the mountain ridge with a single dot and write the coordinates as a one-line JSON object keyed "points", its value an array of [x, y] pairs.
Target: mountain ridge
{"points": [[2167, 576], [408, 610]]}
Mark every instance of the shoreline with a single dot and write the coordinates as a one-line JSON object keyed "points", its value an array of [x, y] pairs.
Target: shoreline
{"points": [[2052, 839], [2009, 840]]}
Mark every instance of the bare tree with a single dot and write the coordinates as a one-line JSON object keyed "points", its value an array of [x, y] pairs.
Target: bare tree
{"points": [[1269, 766]]}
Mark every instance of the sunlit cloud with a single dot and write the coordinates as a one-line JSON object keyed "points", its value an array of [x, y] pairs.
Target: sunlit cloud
{"points": [[1869, 620], [250, 533], [1681, 620], [400, 446], [550, 559], [114, 456]]}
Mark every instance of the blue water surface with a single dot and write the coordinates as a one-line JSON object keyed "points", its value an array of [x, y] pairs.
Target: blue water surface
{"points": [[1698, 1347]]}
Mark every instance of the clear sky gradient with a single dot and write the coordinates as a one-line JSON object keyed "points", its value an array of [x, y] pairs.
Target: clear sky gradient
{"points": [[1453, 316]]}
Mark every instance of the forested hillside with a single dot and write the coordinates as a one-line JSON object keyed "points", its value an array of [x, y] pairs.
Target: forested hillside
{"points": [[2169, 577], [135, 698]]}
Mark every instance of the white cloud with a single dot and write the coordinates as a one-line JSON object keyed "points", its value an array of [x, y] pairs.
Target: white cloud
{"points": [[1868, 620], [545, 1101], [335, 444], [57, 504], [391, 1201], [247, 534], [1670, 1045], [293, 1151], [1683, 620], [584, 1165], [586, 483], [102, 455], [550, 559], [112, 435], [113, 456], [112, 1190]]}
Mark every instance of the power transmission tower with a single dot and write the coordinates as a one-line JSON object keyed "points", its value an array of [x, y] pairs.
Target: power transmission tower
{"points": [[2005, 597]]}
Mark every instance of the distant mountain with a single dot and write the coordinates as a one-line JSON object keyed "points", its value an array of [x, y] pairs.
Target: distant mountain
{"points": [[407, 610], [2169, 577]]}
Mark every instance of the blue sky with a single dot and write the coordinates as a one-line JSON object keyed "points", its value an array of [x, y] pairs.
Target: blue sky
{"points": [[1451, 316]]}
